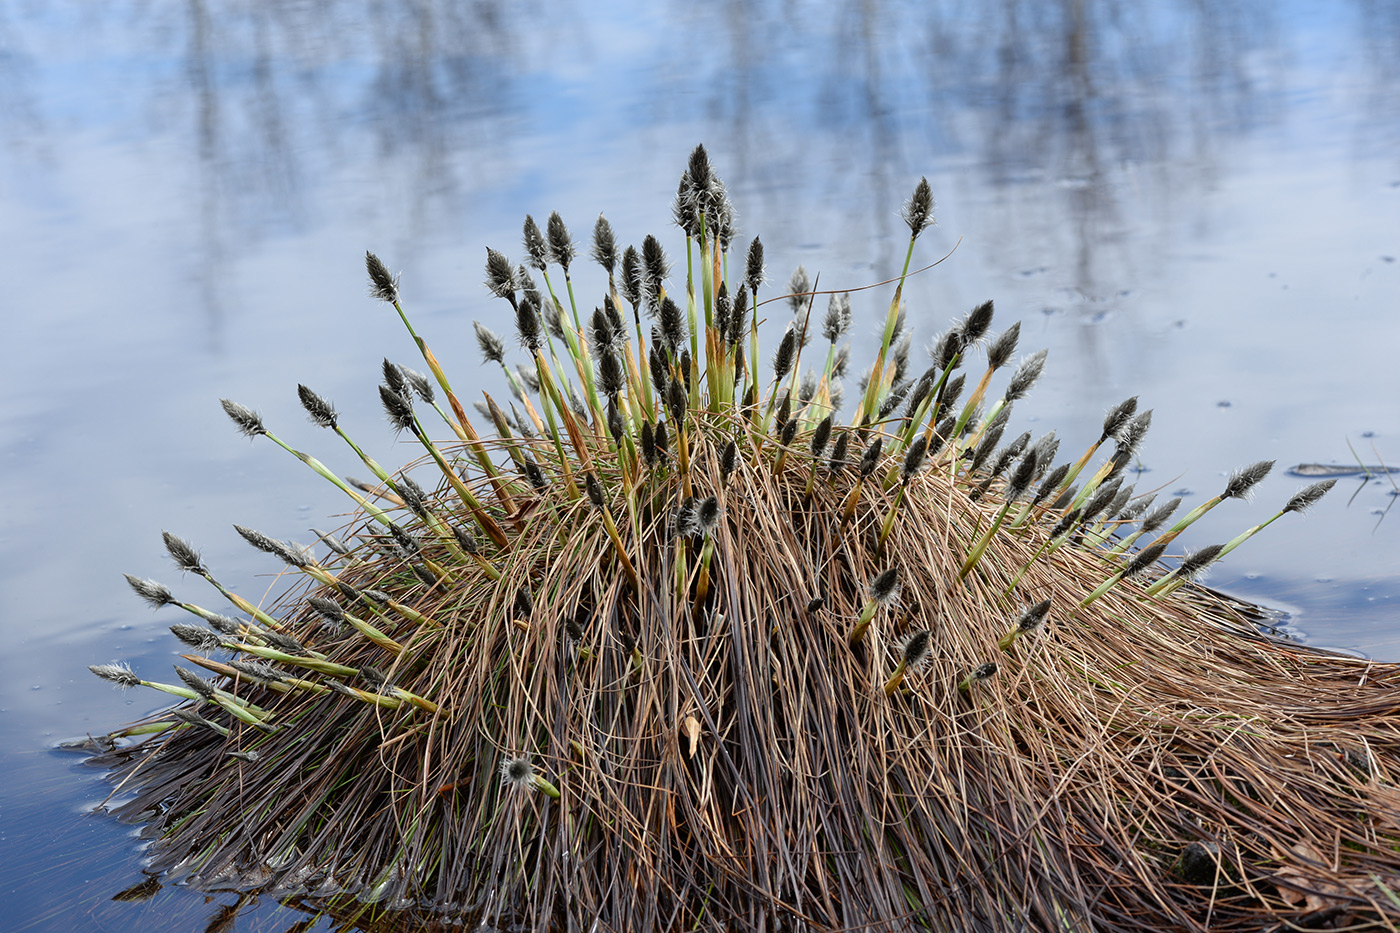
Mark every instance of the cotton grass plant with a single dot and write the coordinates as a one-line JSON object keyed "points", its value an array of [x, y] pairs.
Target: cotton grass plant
{"points": [[681, 643]]}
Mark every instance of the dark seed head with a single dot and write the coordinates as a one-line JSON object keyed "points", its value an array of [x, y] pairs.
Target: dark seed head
{"points": [[631, 284], [196, 683], [157, 594], [708, 515], [789, 433], [884, 589], [918, 211], [1195, 563], [914, 459], [1306, 497], [1021, 478], [399, 409], [197, 637], [821, 436], [753, 266], [318, 409], [524, 605], [248, 421], [840, 450], [676, 401], [465, 539], [871, 457], [382, 285], [561, 245], [1024, 379], [648, 444], [1066, 523], [728, 460], [492, 349], [595, 490], [604, 244], [663, 439], [1032, 616], [535, 246], [1117, 418], [184, 556], [119, 674], [787, 349], [1158, 516], [915, 650], [1145, 558], [838, 317], [527, 325], [1001, 348], [655, 266], [1243, 481], [975, 326], [985, 671], [672, 321], [500, 275]]}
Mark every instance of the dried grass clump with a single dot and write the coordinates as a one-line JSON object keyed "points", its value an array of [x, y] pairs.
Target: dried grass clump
{"points": [[673, 650]]}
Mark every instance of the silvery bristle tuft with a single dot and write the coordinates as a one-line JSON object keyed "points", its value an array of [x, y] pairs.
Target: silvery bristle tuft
{"points": [[884, 589], [787, 348], [687, 521], [1242, 482], [157, 594], [1032, 616], [421, 385], [672, 321], [976, 324], [1050, 483], [1100, 500], [493, 349], [183, 554], [604, 250], [1117, 418], [738, 316], [196, 683], [224, 625], [1024, 379], [500, 275], [517, 773], [915, 649], [946, 348], [412, 495], [1021, 478], [985, 671], [119, 674], [534, 474], [1195, 563], [685, 207], [465, 539], [394, 377], [535, 246], [247, 420], [1068, 521], [918, 211], [398, 409], [798, 287], [561, 245], [319, 410], [1000, 349], [197, 637], [1132, 510], [1306, 497], [1145, 558], [407, 543], [283, 642], [382, 285]]}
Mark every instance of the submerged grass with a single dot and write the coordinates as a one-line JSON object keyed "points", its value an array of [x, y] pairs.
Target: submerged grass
{"points": [[675, 650]]}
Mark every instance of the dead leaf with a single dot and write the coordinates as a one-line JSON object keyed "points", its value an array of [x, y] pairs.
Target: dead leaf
{"points": [[691, 726]]}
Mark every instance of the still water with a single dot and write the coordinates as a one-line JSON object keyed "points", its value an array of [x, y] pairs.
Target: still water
{"points": [[1196, 203]]}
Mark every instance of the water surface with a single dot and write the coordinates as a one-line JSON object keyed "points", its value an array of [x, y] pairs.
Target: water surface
{"points": [[1196, 203]]}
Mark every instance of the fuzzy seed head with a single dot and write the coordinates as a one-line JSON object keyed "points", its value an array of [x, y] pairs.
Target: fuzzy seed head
{"points": [[258, 671], [1306, 497], [915, 649], [1003, 347], [1145, 558], [787, 349], [1067, 522], [798, 287], [985, 671], [183, 554], [1195, 563], [914, 459], [492, 349], [517, 773], [753, 266], [524, 605], [871, 458], [631, 284], [975, 325], [821, 436], [1032, 616], [707, 515], [535, 246], [197, 637], [840, 451], [1026, 375], [604, 250], [397, 408], [673, 325], [196, 683], [527, 325], [119, 674], [1021, 477], [595, 490], [728, 460], [382, 285], [884, 589], [1158, 516], [327, 607], [655, 265], [500, 275], [663, 439], [918, 211], [561, 246], [788, 433], [465, 539], [838, 317], [157, 594], [247, 420], [1242, 482], [1117, 418], [319, 410]]}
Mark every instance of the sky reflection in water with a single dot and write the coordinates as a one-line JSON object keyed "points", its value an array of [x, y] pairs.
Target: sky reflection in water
{"points": [[1195, 203]]}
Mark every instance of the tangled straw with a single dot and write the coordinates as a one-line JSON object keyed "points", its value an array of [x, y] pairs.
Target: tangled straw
{"points": [[676, 649]]}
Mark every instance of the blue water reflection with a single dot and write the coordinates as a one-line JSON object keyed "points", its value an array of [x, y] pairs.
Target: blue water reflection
{"points": [[1198, 203]]}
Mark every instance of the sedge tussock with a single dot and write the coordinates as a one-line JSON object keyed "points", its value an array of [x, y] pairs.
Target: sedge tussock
{"points": [[662, 663]]}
